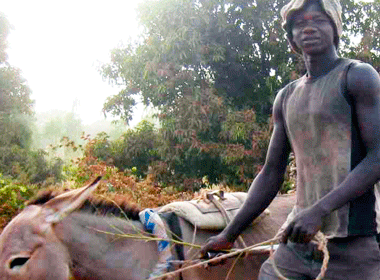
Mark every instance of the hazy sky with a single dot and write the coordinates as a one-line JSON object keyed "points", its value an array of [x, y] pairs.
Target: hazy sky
{"points": [[59, 44]]}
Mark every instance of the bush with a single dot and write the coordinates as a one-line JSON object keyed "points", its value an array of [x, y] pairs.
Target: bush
{"points": [[12, 198], [227, 146], [29, 166], [229, 149], [137, 148]]}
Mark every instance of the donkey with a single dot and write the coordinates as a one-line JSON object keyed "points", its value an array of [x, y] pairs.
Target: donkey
{"points": [[59, 240]]}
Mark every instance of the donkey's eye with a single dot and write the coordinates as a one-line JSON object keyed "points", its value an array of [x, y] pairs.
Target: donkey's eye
{"points": [[17, 263]]}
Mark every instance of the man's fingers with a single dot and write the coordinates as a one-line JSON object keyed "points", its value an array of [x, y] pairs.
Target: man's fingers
{"points": [[209, 247], [287, 232], [297, 234], [215, 244], [204, 252], [294, 237], [211, 254]]}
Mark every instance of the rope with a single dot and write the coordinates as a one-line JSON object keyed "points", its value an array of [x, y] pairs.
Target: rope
{"points": [[227, 218], [216, 259], [321, 240], [322, 246]]}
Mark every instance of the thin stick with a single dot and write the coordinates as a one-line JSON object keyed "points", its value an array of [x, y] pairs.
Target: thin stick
{"points": [[147, 238], [233, 265], [193, 242], [236, 252], [124, 214]]}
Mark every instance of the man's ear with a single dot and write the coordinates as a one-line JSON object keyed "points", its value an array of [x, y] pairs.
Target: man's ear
{"points": [[293, 45]]}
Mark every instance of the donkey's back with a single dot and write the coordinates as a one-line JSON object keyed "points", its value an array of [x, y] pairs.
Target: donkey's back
{"points": [[243, 267]]}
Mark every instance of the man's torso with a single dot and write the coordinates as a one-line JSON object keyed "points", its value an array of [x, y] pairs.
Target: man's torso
{"points": [[321, 129]]}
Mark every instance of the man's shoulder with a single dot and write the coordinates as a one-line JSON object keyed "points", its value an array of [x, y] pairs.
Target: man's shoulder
{"points": [[289, 87], [349, 60], [350, 63], [284, 92], [362, 78], [360, 68]]}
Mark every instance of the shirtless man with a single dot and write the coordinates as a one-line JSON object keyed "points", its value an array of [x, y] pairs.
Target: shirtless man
{"points": [[330, 118]]}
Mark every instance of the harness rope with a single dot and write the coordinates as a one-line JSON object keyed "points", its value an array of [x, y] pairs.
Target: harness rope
{"points": [[151, 220], [322, 245], [321, 240], [227, 218]]}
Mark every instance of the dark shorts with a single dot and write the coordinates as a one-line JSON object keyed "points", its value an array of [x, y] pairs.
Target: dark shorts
{"points": [[350, 258]]}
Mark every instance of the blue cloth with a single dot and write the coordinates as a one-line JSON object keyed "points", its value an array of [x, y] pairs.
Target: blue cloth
{"points": [[154, 225]]}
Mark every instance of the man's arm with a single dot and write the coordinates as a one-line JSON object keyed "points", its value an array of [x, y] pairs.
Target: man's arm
{"points": [[263, 189], [363, 84]]}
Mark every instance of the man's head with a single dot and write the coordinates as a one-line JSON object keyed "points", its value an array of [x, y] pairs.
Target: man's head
{"points": [[331, 8]]}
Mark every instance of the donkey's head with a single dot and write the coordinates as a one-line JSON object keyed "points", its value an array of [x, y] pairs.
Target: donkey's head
{"points": [[29, 247]]}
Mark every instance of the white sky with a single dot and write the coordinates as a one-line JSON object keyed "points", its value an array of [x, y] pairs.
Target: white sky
{"points": [[59, 44]]}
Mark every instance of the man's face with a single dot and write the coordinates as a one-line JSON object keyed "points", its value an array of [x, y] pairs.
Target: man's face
{"points": [[312, 30]]}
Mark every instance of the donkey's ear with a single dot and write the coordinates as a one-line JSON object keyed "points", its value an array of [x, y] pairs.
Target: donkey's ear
{"points": [[62, 205]]}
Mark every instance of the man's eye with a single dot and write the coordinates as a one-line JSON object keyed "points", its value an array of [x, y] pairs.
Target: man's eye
{"points": [[320, 20], [299, 23]]}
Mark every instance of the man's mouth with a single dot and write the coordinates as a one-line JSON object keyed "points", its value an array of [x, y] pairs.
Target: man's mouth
{"points": [[310, 40]]}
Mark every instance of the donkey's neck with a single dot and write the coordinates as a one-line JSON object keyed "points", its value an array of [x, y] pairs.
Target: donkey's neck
{"points": [[97, 253]]}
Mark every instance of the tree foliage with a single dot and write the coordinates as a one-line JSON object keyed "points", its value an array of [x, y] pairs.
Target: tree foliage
{"points": [[4, 32], [136, 149], [237, 47], [212, 69], [362, 37], [54, 130], [15, 102], [17, 159]]}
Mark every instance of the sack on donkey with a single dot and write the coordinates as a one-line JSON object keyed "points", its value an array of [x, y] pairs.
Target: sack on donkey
{"points": [[204, 214]]}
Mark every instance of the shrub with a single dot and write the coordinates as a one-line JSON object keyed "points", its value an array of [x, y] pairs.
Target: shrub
{"points": [[12, 198], [137, 148], [29, 166]]}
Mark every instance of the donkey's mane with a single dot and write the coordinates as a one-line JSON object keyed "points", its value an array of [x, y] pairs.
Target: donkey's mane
{"points": [[118, 207]]}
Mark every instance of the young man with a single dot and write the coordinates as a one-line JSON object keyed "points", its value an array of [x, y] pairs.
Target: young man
{"points": [[330, 118]]}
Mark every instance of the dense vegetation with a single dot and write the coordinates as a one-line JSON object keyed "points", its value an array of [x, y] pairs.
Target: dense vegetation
{"points": [[209, 68], [212, 69], [17, 159]]}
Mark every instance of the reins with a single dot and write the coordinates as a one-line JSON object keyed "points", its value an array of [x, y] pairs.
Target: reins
{"points": [[321, 241], [201, 263], [319, 238]]}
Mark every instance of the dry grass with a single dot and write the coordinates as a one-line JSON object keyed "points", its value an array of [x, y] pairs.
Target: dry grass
{"points": [[145, 193]]}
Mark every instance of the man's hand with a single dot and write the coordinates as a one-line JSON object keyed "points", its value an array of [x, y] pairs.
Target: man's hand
{"points": [[304, 226], [216, 244]]}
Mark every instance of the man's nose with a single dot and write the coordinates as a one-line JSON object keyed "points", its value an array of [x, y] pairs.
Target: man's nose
{"points": [[309, 29]]}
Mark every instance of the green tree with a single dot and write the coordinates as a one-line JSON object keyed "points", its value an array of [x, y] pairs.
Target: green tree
{"points": [[16, 121], [361, 39], [135, 150], [236, 46], [15, 102], [204, 64]]}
